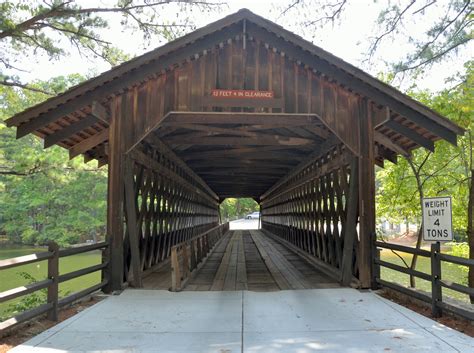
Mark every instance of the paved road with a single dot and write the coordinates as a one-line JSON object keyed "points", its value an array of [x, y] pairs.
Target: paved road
{"points": [[244, 224], [295, 321]]}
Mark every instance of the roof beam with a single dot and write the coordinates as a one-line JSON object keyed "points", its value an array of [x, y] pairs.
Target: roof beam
{"points": [[156, 142], [89, 143], [237, 163], [388, 143], [247, 158], [410, 134], [350, 80], [244, 141], [220, 118], [323, 148], [68, 131], [257, 127], [268, 151], [387, 154], [213, 129], [317, 131], [99, 111], [232, 172]]}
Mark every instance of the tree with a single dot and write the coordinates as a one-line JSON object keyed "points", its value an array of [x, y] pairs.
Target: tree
{"points": [[442, 28], [30, 27], [232, 208], [44, 196], [449, 171]]}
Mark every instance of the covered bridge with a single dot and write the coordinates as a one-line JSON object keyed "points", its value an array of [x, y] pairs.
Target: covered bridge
{"points": [[239, 108]]}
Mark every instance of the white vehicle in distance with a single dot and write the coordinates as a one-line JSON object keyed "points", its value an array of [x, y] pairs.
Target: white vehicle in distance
{"points": [[253, 215]]}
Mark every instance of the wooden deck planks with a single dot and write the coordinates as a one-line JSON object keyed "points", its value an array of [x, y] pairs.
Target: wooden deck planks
{"points": [[248, 260], [241, 281]]}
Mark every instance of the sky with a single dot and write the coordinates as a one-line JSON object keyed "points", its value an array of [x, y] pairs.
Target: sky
{"points": [[346, 38]]}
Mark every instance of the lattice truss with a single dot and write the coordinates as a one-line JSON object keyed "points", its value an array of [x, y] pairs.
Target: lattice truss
{"points": [[171, 206], [309, 210]]}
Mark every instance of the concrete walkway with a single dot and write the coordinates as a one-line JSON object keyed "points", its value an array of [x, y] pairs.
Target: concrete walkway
{"points": [[316, 320]]}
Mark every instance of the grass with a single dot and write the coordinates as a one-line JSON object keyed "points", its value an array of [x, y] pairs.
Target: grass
{"points": [[449, 271], [10, 278]]}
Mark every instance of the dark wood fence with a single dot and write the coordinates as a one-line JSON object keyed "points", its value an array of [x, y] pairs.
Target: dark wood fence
{"points": [[435, 298], [51, 283], [189, 255]]}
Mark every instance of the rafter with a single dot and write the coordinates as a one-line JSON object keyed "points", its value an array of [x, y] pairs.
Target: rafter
{"points": [[241, 141], [89, 143]]}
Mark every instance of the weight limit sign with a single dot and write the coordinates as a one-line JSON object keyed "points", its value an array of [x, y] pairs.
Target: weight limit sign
{"points": [[437, 219]]}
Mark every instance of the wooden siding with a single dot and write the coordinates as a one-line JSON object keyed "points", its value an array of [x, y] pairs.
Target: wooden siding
{"points": [[229, 66]]}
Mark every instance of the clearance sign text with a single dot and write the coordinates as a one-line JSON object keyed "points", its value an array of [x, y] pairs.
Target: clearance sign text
{"points": [[240, 93]]}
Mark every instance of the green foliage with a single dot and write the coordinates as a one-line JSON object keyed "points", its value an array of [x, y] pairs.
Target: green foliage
{"points": [[232, 208], [29, 301], [43, 195], [445, 172]]}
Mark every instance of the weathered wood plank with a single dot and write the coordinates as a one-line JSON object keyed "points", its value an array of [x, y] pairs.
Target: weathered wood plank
{"points": [[89, 143], [100, 112], [366, 194], [350, 230], [130, 206], [115, 195]]}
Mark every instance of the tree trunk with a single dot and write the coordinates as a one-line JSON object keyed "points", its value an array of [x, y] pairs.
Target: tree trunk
{"points": [[470, 230], [415, 256], [419, 185]]}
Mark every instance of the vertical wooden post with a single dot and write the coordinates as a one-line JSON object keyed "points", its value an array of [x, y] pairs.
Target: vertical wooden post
{"points": [[115, 198], [193, 255], [366, 193], [376, 272], [436, 292], [175, 271], [350, 231], [186, 270], [53, 274], [132, 227], [199, 250]]}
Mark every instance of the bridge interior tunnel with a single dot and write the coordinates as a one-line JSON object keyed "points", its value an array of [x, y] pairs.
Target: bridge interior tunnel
{"points": [[293, 165]]}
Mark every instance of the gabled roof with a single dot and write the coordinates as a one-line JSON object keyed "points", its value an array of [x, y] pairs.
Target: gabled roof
{"points": [[406, 116]]}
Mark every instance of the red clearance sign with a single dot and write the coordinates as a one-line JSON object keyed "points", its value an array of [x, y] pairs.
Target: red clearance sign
{"points": [[241, 93]]}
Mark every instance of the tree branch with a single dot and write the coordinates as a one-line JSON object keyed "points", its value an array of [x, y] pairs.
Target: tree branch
{"points": [[24, 86], [393, 25], [61, 11]]}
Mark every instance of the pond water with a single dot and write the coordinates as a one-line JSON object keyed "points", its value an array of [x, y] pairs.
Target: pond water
{"points": [[12, 278]]}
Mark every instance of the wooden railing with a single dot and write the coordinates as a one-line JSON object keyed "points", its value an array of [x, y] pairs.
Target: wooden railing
{"points": [[188, 256], [52, 282], [435, 277]]}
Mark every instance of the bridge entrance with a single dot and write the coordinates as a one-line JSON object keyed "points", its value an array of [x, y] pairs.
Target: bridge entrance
{"points": [[239, 108]]}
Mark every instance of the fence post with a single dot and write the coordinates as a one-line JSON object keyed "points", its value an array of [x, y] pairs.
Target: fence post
{"points": [[199, 250], [376, 273], [104, 274], [53, 274], [193, 255], [375, 266], [175, 271], [436, 293], [186, 270]]}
